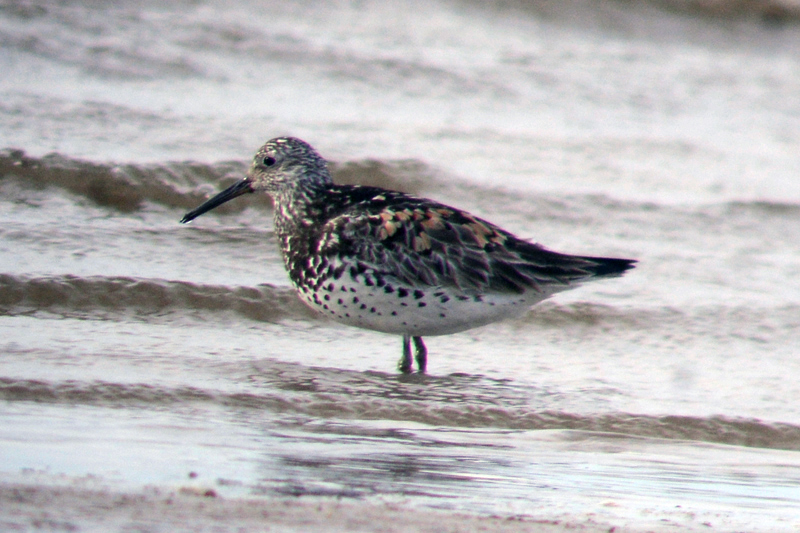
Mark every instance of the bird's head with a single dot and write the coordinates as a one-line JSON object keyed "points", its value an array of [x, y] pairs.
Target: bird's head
{"points": [[284, 166]]}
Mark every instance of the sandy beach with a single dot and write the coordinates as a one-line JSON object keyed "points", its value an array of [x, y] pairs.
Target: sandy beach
{"points": [[40, 507]]}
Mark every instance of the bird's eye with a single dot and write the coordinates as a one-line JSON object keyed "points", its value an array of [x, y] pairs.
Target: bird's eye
{"points": [[269, 161]]}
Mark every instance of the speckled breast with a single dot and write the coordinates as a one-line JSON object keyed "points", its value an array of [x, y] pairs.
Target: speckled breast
{"points": [[363, 299]]}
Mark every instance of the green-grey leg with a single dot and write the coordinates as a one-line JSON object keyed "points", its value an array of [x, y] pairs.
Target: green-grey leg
{"points": [[421, 355], [405, 361]]}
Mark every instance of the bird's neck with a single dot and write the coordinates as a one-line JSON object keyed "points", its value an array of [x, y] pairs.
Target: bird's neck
{"points": [[297, 212]]}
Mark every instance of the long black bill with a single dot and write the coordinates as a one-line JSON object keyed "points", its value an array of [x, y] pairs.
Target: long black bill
{"points": [[237, 189]]}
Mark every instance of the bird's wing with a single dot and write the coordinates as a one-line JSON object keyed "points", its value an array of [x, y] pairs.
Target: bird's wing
{"points": [[424, 243]]}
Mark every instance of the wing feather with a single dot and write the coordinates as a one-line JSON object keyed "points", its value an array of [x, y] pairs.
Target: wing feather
{"points": [[420, 242]]}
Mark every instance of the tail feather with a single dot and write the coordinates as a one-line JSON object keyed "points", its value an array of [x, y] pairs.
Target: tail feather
{"points": [[539, 268], [606, 267]]}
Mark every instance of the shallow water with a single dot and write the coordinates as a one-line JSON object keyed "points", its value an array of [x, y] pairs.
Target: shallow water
{"points": [[138, 350]]}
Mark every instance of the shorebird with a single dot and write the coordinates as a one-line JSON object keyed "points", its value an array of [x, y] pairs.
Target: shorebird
{"points": [[396, 263]]}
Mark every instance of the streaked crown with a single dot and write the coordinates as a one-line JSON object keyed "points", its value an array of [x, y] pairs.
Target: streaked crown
{"points": [[287, 163]]}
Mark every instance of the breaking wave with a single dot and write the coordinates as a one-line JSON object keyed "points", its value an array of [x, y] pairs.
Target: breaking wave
{"points": [[449, 401], [123, 297], [126, 187]]}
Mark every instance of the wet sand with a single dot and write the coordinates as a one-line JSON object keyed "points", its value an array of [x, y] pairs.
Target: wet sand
{"points": [[52, 508]]}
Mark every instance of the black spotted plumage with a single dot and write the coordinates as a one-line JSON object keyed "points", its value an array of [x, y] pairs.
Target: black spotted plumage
{"points": [[428, 243], [390, 249]]}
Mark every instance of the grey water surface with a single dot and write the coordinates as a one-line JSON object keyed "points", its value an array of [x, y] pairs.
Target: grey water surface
{"points": [[139, 350]]}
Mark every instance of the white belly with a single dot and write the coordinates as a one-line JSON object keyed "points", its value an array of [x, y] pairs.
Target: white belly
{"points": [[400, 309]]}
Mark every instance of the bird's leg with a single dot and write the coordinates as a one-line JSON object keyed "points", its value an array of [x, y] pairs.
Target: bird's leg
{"points": [[405, 361], [421, 355]]}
